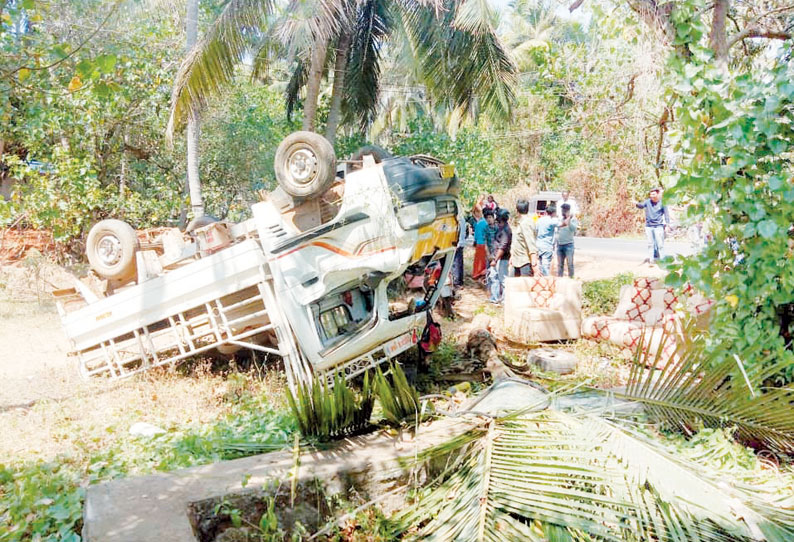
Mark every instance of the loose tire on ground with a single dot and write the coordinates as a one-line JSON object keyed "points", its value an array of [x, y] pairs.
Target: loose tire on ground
{"points": [[305, 165], [553, 360], [111, 248]]}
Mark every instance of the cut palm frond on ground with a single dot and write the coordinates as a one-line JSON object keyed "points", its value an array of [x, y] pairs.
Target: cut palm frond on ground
{"points": [[686, 393], [557, 476]]}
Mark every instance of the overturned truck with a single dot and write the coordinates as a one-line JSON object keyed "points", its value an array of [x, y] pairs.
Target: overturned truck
{"points": [[320, 276]]}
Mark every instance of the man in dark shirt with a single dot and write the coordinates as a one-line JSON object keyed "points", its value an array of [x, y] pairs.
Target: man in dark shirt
{"points": [[657, 218], [501, 257]]}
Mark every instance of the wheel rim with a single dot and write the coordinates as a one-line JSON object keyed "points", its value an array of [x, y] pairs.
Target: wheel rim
{"points": [[302, 165], [109, 250]]}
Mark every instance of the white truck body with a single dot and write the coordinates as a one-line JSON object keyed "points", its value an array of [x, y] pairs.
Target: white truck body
{"points": [[323, 299]]}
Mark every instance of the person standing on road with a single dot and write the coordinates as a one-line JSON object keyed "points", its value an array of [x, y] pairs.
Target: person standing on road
{"points": [[567, 199], [546, 226], [524, 249], [657, 218], [565, 232], [480, 249], [501, 257]]}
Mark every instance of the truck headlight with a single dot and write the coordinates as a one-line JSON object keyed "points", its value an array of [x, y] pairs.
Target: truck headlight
{"points": [[419, 214]]}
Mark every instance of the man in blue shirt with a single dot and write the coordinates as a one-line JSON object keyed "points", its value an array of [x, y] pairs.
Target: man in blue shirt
{"points": [[546, 226], [565, 233], [657, 218]]}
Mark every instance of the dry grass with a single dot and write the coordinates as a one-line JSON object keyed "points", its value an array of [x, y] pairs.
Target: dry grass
{"points": [[96, 413], [47, 410]]}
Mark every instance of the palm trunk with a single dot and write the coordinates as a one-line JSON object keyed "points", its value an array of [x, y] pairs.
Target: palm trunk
{"points": [[313, 83], [340, 71], [193, 126]]}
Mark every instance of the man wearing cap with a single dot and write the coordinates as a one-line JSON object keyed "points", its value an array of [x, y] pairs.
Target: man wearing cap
{"points": [[657, 218], [501, 257]]}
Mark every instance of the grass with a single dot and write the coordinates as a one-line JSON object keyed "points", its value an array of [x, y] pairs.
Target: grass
{"points": [[602, 296], [42, 487]]}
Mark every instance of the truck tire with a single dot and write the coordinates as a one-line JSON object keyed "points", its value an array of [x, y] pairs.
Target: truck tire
{"points": [[305, 165], [378, 153], [111, 248]]}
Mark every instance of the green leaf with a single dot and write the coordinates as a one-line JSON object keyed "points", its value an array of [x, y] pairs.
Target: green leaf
{"points": [[106, 63], [767, 228]]}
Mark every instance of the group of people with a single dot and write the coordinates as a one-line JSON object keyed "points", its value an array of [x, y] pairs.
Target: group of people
{"points": [[527, 248], [528, 252]]}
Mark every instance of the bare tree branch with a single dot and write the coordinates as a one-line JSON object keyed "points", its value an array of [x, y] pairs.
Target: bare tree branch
{"points": [[754, 30], [629, 91], [575, 5]]}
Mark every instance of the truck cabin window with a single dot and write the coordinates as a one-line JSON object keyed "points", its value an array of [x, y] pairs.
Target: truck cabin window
{"points": [[342, 313]]}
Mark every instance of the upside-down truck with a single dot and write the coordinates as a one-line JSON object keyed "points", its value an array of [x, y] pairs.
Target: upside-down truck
{"points": [[321, 275]]}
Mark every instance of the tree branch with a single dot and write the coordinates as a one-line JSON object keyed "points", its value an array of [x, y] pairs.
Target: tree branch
{"points": [[754, 30], [575, 5], [73, 52]]}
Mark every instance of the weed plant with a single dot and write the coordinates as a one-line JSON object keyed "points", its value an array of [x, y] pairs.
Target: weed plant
{"points": [[602, 296], [43, 500]]}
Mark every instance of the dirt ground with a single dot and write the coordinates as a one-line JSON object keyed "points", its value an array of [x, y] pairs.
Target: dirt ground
{"points": [[44, 403]]}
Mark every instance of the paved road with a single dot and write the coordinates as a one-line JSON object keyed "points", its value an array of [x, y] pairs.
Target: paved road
{"points": [[627, 249]]}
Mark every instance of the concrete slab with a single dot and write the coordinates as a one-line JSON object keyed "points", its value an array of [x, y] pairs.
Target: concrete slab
{"points": [[155, 508]]}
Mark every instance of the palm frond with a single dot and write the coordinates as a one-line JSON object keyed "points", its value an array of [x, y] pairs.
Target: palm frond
{"points": [[398, 399], [306, 22], [324, 413], [686, 392], [296, 82], [266, 55], [554, 476], [362, 81], [469, 69], [210, 64]]}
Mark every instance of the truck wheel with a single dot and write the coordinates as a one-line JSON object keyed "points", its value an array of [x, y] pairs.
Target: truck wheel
{"points": [[111, 248], [305, 165], [378, 153]]}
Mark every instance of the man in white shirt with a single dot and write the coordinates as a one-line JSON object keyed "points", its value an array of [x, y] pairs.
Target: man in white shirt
{"points": [[566, 198]]}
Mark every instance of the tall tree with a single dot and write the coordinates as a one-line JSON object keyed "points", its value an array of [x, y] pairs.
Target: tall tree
{"points": [[465, 53], [193, 123]]}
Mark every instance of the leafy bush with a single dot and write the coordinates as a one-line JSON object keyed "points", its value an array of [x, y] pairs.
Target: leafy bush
{"points": [[602, 296], [736, 142], [324, 413]]}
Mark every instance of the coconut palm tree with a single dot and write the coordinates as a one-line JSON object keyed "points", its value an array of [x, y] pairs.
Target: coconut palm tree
{"points": [[461, 59]]}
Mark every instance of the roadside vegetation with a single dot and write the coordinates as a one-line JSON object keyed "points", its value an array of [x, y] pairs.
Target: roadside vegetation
{"points": [[692, 95]]}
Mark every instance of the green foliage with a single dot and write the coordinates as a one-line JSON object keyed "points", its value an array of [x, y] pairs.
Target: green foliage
{"points": [[326, 413], [478, 161], [736, 176], [602, 296], [44, 501], [399, 400]]}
